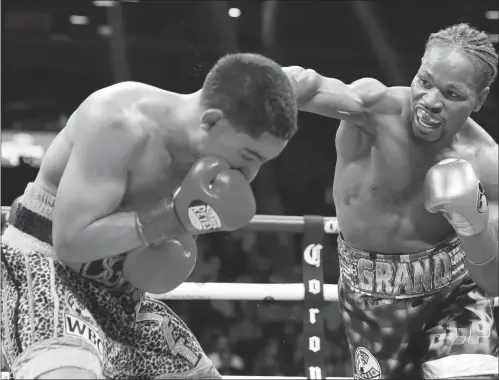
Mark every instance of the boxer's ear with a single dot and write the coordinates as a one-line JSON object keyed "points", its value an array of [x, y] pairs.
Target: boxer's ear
{"points": [[211, 117], [481, 99]]}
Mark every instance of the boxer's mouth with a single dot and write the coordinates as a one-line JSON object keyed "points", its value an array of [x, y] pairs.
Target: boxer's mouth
{"points": [[426, 120]]}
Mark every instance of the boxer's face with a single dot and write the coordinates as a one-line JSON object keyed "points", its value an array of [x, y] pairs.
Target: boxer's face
{"points": [[243, 152], [444, 93]]}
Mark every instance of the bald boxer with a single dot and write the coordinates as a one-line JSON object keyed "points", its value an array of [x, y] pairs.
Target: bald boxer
{"points": [[416, 190], [137, 173]]}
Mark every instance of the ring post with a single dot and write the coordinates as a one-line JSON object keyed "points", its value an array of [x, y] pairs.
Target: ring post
{"points": [[313, 279]]}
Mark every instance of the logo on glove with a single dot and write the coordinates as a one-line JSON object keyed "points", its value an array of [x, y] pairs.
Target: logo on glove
{"points": [[366, 365], [203, 217], [481, 205]]}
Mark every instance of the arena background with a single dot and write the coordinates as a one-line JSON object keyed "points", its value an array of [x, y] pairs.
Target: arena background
{"points": [[55, 53]]}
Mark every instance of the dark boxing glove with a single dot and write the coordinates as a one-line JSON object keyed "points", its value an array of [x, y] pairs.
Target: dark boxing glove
{"points": [[212, 198]]}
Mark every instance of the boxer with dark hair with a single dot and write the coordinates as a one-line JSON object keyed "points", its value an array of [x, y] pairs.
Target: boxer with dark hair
{"points": [[122, 192]]}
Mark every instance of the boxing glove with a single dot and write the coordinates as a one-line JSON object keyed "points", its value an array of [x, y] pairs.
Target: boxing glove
{"points": [[162, 267], [452, 187], [212, 198]]}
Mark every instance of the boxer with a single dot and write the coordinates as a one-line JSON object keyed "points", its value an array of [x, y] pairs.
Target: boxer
{"points": [[122, 192], [416, 190]]}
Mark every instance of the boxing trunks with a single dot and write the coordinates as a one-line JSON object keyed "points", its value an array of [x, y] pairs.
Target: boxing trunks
{"points": [[416, 316], [55, 317]]}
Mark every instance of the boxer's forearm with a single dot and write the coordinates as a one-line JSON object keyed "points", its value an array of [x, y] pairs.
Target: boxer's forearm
{"points": [[483, 249], [106, 237], [321, 95]]}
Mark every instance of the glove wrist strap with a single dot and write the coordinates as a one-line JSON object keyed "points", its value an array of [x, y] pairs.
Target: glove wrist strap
{"points": [[155, 225], [139, 227]]}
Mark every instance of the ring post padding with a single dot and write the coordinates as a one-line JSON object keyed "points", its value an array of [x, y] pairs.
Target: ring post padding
{"points": [[313, 279]]}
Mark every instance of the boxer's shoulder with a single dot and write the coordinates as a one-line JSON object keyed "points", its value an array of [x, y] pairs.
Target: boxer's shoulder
{"points": [[400, 97], [367, 86], [475, 135], [476, 146], [403, 95], [127, 99], [124, 107], [472, 143], [123, 91]]}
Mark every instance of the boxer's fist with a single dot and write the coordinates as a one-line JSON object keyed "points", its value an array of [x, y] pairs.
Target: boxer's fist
{"points": [[162, 267], [214, 198], [452, 187]]}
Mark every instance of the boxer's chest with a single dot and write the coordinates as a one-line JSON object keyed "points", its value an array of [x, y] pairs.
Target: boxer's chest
{"points": [[154, 175]]}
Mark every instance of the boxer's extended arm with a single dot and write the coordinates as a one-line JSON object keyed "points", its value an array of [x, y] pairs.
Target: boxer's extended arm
{"points": [[86, 226], [483, 247], [331, 97]]}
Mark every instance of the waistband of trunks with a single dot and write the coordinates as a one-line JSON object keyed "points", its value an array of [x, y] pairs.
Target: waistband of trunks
{"points": [[402, 276], [32, 225]]}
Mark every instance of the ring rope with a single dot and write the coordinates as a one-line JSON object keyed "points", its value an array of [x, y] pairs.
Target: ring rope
{"points": [[243, 292], [293, 224], [269, 223], [6, 376], [279, 377]]}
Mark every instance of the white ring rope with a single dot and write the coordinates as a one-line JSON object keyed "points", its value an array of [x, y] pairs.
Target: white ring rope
{"points": [[283, 292], [5, 375], [285, 223], [272, 223], [278, 377], [243, 292]]}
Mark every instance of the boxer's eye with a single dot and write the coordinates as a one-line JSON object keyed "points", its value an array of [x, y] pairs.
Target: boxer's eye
{"points": [[247, 158], [453, 95], [424, 83], [251, 155]]}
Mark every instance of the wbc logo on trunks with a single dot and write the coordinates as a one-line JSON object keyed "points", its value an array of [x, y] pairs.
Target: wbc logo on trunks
{"points": [[79, 323], [366, 365], [203, 217], [77, 307]]}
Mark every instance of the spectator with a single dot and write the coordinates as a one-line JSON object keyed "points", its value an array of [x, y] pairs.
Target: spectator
{"points": [[269, 360], [227, 362]]}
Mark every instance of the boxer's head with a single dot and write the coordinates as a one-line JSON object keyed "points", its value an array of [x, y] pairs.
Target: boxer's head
{"points": [[249, 111], [458, 66]]}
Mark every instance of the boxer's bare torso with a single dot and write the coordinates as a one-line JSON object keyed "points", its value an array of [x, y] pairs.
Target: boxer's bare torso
{"points": [[379, 179], [125, 149], [162, 156]]}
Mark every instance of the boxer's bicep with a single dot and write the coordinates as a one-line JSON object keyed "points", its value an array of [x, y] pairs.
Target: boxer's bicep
{"points": [[332, 98], [94, 180], [353, 102]]}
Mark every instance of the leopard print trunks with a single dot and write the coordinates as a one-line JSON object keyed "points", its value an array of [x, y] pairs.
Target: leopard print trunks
{"points": [[55, 317]]}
